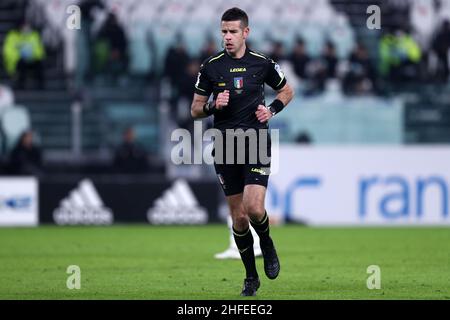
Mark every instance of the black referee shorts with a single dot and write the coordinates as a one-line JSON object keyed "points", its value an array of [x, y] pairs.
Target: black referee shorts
{"points": [[246, 167]]}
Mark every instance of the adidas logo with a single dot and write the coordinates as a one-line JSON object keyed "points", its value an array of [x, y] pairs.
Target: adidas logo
{"points": [[83, 206], [177, 205]]}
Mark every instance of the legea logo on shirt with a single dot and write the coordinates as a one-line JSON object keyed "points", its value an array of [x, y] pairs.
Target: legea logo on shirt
{"points": [[238, 70]]}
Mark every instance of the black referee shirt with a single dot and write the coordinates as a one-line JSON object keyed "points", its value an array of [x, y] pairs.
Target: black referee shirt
{"points": [[244, 78]]}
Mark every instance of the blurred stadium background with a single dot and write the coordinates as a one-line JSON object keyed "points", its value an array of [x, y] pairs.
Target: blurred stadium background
{"points": [[86, 115]]}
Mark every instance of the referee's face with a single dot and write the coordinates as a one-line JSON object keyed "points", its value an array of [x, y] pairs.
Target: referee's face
{"points": [[233, 36]]}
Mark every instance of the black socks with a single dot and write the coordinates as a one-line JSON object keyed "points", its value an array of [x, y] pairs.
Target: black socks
{"points": [[262, 229], [244, 242]]}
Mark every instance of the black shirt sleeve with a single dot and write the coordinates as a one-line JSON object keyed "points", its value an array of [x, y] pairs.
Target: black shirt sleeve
{"points": [[274, 76], [203, 85]]}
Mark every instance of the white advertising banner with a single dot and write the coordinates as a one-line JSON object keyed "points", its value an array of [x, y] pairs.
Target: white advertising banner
{"points": [[18, 201], [362, 185]]}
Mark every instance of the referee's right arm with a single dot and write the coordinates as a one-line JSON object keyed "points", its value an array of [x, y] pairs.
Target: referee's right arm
{"points": [[203, 89], [197, 106], [201, 108]]}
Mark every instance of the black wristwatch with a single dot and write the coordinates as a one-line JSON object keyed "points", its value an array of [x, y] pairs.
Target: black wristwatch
{"points": [[209, 108], [272, 110]]}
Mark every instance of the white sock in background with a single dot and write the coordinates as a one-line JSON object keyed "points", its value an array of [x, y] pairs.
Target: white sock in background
{"points": [[232, 252]]}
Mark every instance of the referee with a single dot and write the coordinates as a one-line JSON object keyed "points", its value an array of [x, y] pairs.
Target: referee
{"points": [[236, 78]]}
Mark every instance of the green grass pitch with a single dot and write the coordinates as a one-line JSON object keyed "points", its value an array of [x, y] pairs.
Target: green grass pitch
{"points": [[148, 262]]}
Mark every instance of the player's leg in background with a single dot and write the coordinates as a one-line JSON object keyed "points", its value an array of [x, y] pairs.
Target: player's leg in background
{"points": [[232, 251], [253, 202]]}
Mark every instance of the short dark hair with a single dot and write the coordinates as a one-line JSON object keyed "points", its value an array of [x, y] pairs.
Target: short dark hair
{"points": [[235, 14]]}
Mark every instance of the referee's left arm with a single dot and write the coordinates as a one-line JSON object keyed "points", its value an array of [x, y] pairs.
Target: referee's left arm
{"points": [[276, 80], [285, 94]]}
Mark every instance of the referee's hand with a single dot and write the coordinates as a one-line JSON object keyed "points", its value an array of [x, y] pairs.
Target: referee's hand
{"points": [[222, 99], [263, 114]]}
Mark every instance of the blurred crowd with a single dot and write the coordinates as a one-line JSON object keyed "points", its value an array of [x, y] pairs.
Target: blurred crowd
{"points": [[399, 58], [25, 156], [409, 52], [402, 54]]}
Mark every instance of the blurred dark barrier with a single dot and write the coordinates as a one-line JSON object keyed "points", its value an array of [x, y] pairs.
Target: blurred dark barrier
{"points": [[427, 122], [100, 200]]}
